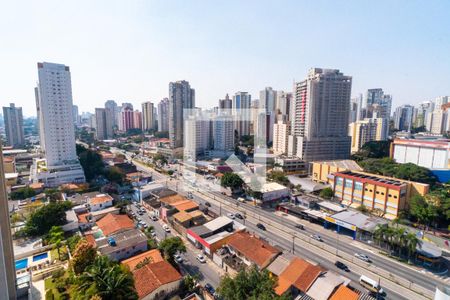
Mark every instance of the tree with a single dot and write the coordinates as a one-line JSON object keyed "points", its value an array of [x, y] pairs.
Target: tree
{"points": [[231, 180], [106, 279], [161, 159], [72, 242], [91, 162], [362, 208], [83, 256], [326, 193], [53, 195], [411, 243], [42, 220], [249, 284], [23, 193], [161, 134], [170, 246], [56, 236], [190, 283], [114, 174], [279, 177], [373, 149], [423, 211]]}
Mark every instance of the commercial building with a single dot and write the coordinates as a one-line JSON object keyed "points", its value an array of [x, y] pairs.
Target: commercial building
{"points": [[13, 119], [291, 165], [163, 115], [281, 131], [320, 116], [148, 116], [367, 130], [322, 170], [181, 97], [388, 196], [7, 266], [56, 129]]}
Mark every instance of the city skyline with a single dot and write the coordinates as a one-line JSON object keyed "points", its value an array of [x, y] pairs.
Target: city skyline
{"points": [[137, 67]]}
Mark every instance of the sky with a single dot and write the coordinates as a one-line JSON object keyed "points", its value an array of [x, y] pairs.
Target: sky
{"points": [[129, 51]]}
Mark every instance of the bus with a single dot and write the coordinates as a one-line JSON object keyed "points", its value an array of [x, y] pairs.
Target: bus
{"points": [[371, 284]]}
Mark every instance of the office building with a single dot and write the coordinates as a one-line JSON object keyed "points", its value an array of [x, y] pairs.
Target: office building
{"points": [[56, 129], [281, 131], [268, 99], [163, 115], [148, 116], [7, 266], [403, 117], [320, 116], [367, 130], [241, 111], [100, 124], [226, 103], [181, 97], [13, 119]]}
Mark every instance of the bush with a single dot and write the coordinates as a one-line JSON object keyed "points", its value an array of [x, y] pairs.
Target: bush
{"points": [[49, 295], [58, 273]]}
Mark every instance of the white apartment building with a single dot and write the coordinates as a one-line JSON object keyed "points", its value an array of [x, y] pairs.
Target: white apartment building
{"points": [[56, 129], [241, 109], [148, 116], [320, 116], [196, 137], [223, 136], [281, 132]]}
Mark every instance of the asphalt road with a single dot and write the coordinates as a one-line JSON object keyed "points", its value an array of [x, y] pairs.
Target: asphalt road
{"points": [[329, 237]]}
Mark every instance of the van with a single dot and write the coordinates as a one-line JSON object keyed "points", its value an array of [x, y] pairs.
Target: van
{"points": [[371, 284]]}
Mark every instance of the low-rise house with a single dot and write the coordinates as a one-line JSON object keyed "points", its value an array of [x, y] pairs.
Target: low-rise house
{"points": [[154, 278], [122, 245], [100, 202], [325, 285], [113, 224], [297, 277], [344, 293], [252, 250]]}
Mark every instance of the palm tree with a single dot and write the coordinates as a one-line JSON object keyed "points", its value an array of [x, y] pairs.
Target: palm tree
{"points": [[56, 236], [399, 238], [107, 279], [378, 234], [389, 237], [411, 243]]}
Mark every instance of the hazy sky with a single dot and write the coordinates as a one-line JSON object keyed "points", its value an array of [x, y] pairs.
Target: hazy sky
{"points": [[130, 50]]}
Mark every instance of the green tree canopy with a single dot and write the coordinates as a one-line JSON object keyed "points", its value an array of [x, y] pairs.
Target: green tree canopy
{"points": [[373, 149], [162, 134], [114, 174], [91, 162], [83, 256], [424, 212], [249, 284], [231, 180], [326, 193], [279, 177], [170, 246], [56, 236], [42, 220], [23, 193]]}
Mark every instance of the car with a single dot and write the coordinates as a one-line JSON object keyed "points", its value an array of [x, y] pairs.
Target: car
{"points": [[153, 234], [133, 214], [240, 199], [362, 257], [154, 218], [208, 204], [342, 266], [300, 226], [166, 228], [316, 237], [230, 215], [138, 219], [261, 226], [209, 288], [201, 258], [145, 225], [239, 216], [140, 213], [178, 258]]}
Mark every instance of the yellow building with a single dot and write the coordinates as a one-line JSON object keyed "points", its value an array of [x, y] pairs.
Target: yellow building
{"points": [[387, 195], [367, 130], [322, 170]]}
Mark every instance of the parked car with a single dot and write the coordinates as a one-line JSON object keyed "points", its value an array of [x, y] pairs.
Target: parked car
{"points": [[178, 258], [342, 266], [139, 219], [230, 215], [240, 199], [363, 257], [316, 237], [209, 288], [153, 233], [208, 204], [261, 226], [239, 216], [201, 258], [300, 226], [166, 228], [154, 218]]}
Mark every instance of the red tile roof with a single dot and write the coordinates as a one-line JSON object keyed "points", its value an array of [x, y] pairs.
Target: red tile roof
{"points": [[154, 256], [152, 276], [185, 205], [110, 223], [298, 273], [102, 198], [82, 218], [254, 249], [344, 293]]}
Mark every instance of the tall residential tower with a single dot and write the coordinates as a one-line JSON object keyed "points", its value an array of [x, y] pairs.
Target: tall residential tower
{"points": [[14, 125]]}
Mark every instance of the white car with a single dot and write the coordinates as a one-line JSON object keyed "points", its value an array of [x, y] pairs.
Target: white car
{"points": [[231, 216], [362, 257], [166, 228], [201, 258], [178, 258]]}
